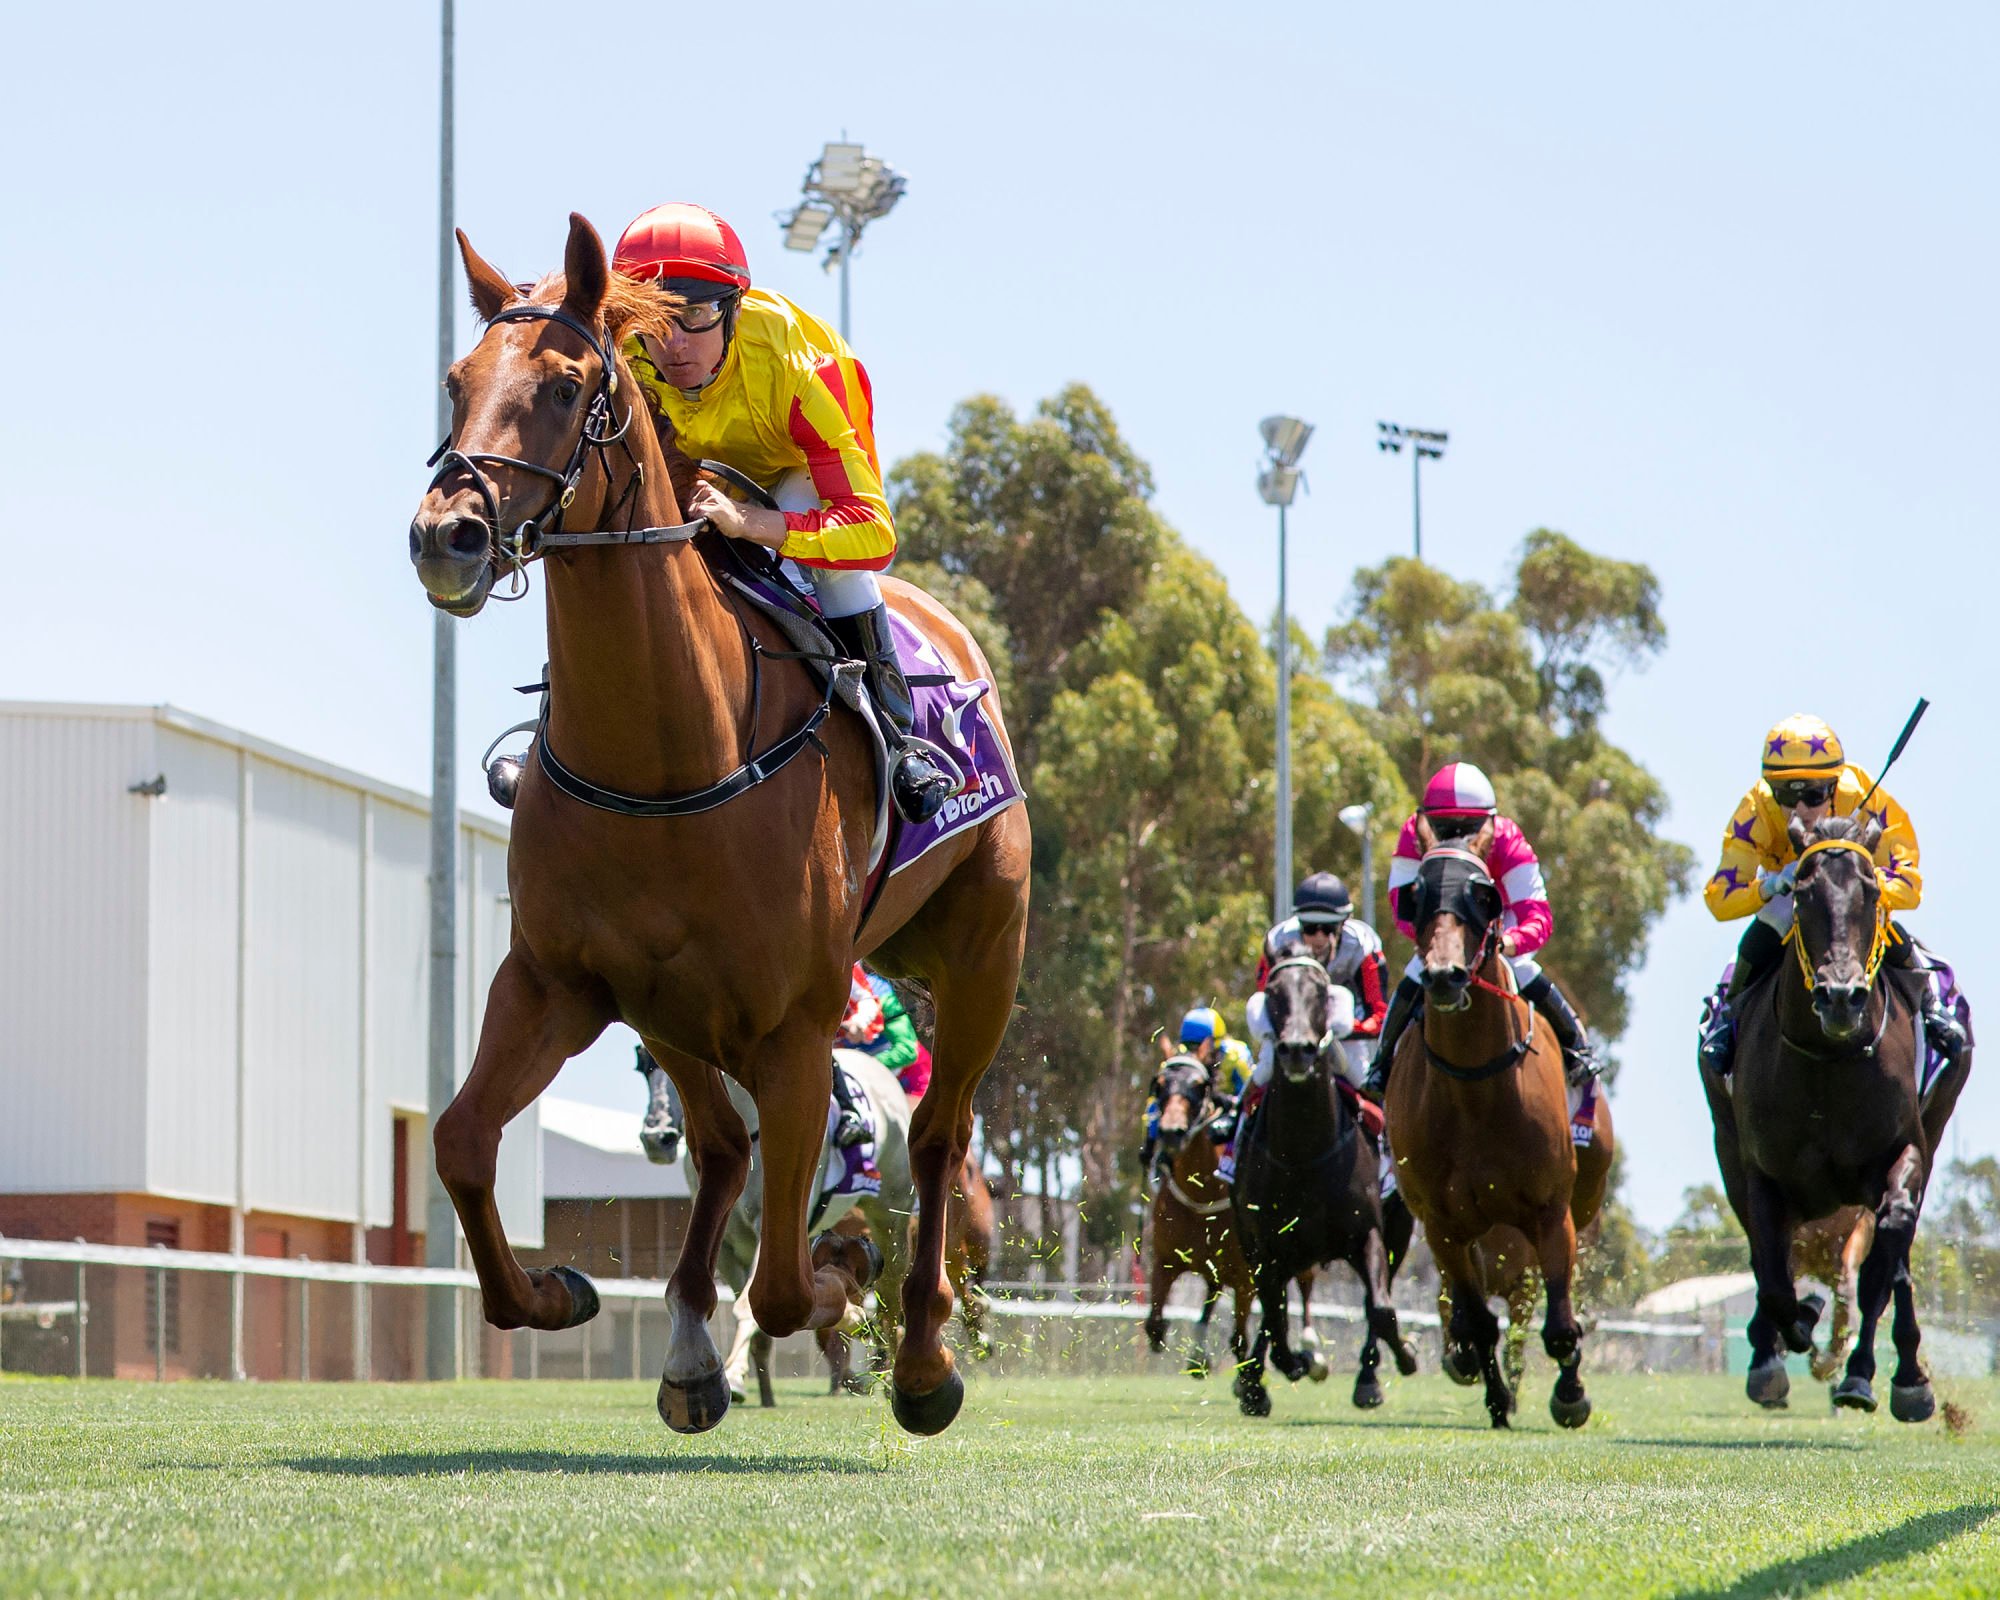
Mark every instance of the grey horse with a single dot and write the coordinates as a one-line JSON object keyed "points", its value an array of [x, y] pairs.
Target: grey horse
{"points": [[887, 1214]]}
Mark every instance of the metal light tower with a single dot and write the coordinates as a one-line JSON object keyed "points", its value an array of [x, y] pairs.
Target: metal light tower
{"points": [[1425, 445], [441, 1341], [1358, 818], [1284, 442], [845, 185]]}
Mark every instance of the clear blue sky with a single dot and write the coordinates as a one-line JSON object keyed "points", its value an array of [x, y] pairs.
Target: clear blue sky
{"points": [[1709, 287]]}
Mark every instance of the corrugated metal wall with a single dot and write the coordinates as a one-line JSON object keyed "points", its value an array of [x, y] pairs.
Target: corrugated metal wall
{"points": [[191, 1128], [121, 928], [73, 949]]}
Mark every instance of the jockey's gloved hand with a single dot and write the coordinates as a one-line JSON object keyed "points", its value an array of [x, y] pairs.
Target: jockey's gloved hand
{"points": [[1772, 884]]}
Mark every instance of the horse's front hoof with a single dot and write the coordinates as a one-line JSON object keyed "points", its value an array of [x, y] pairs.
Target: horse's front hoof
{"points": [[928, 1414], [1460, 1365], [1317, 1367], [694, 1407], [1911, 1402], [583, 1303], [1853, 1394], [1254, 1400], [1570, 1413], [1497, 1415], [1367, 1392], [1406, 1357], [1770, 1385]]}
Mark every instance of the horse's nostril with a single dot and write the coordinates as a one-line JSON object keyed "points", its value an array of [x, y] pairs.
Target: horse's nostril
{"points": [[465, 537]]}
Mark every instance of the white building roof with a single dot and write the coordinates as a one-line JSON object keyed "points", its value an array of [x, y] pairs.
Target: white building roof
{"points": [[593, 1153], [1696, 1294]]}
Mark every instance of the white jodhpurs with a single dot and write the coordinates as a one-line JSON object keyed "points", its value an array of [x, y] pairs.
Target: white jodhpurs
{"points": [[841, 591], [1777, 914]]}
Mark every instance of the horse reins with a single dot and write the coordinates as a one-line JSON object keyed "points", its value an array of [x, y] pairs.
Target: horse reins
{"points": [[1878, 952]]}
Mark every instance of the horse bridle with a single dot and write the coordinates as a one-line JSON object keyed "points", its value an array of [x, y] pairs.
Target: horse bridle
{"points": [[530, 539], [1878, 951], [1516, 1052]]}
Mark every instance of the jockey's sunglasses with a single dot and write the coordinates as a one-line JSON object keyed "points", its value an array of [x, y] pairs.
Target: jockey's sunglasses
{"points": [[1801, 791], [1328, 925]]}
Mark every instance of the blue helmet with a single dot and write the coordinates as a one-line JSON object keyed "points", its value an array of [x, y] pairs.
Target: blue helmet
{"points": [[1202, 1024]]}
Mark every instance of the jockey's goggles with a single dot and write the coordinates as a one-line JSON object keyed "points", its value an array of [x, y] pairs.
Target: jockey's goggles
{"points": [[1321, 924], [1456, 827], [1801, 791], [701, 315]]}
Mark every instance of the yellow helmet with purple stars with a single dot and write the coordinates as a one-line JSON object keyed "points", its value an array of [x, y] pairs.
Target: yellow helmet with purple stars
{"points": [[1802, 746]]}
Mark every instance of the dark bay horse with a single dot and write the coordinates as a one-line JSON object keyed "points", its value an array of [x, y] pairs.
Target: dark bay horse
{"points": [[1478, 1113], [710, 892], [1823, 1111], [1194, 1219], [1309, 1191]]}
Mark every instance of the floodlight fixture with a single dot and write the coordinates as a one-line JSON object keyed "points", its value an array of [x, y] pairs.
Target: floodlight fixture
{"points": [[1356, 817], [1278, 486], [805, 224], [845, 185], [1285, 438]]}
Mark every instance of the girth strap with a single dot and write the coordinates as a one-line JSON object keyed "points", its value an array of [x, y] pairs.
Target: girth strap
{"points": [[743, 779]]}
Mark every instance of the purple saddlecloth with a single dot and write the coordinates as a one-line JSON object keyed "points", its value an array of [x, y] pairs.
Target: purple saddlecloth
{"points": [[952, 716]]}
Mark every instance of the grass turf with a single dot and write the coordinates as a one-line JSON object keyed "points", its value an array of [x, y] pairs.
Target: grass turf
{"points": [[1152, 1486]]}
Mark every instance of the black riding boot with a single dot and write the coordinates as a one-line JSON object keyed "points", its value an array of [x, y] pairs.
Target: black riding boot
{"points": [[852, 1128], [1756, 954], [917, 784], [1402, 1006], [1579, 1060], [1944, 1031]]}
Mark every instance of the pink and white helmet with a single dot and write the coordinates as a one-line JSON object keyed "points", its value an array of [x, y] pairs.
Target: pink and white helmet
{"points": [[1459, 790]]}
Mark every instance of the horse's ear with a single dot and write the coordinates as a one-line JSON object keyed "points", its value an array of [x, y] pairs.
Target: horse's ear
{"points": [[490, 288], [1871, 833], [1795, 830], [1482, 841], [586, 272], [1426, 834]]}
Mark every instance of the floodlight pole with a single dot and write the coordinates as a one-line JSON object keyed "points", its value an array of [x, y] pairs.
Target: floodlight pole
{"points": [[441, 1341], [1417, 498], [846, 254], [1281, 896]]}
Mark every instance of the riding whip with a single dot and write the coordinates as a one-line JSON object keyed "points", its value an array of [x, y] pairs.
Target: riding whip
{"points": [[1902, 739]]}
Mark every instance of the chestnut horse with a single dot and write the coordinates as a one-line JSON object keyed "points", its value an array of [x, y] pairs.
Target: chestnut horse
{"points": [[1194, 1219], [1478, 1115], [1824, 1110], [702, 870]]}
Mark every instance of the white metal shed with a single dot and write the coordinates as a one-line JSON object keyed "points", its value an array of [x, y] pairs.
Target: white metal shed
{"points": [[213, 968]]}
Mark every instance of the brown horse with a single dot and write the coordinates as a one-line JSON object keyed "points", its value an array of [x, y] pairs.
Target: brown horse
{"points": [[1479, 1119], [710, 890], [1832, 1250], [1824, 1110], [1194, 1219]]}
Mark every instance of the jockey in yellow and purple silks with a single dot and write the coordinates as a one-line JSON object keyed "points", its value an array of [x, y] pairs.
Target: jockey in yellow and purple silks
{"points": [[1204, 1038], [1806, 775], [748, 379]]}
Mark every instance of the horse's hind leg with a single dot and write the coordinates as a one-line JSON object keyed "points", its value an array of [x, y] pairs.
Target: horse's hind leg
{"points": [[1561, 1337], [694, 1386], [1521, 1297], [531, 1028]]}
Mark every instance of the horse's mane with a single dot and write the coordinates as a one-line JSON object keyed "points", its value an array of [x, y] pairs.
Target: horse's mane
{"points": [[629, 306]]}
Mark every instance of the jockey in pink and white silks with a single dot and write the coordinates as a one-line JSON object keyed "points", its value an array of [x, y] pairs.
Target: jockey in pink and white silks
{"points": [[1458, 804]]}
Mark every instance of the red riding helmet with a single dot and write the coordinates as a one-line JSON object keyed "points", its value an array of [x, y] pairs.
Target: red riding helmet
{"points": [[682, 241]]}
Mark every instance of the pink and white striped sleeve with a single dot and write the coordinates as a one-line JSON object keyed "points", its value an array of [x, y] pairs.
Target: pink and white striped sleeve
{"points": [[1519, 874]]}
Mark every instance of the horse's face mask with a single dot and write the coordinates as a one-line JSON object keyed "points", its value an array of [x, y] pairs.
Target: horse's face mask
{"points": [[1842, 934], [1297, 1000], [1454, 906], [1181, 1088]]}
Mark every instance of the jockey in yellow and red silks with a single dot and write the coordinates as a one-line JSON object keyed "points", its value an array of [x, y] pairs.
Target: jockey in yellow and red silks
{"points": [[1806, 775], [749, 379]]}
